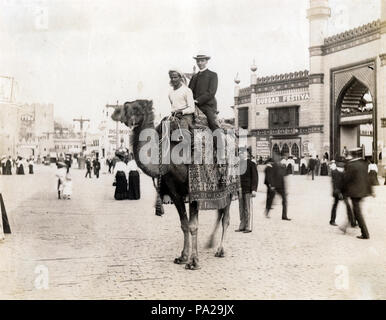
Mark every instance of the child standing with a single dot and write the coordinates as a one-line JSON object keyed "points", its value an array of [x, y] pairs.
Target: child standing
{"points": [[67, 188]]}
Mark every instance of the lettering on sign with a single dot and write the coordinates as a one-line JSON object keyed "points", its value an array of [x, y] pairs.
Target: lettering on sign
{"points": [[262, 148], [283, 98]]}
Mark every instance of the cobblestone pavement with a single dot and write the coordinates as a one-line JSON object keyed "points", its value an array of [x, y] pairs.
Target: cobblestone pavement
{"points": [[93, 247]]}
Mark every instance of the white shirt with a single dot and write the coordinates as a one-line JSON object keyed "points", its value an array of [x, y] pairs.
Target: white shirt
{"points": [[132, 166], [182, 100], [373, 166], [120, 166]]}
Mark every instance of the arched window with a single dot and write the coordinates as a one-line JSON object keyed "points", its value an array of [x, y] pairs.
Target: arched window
{"points": [[295, 150], [275, 149], [284, 150]]}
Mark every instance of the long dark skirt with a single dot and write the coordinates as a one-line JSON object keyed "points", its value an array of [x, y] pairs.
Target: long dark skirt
{"points": [[324, 170], [289, 169], [303, 169], [134, 190], [31, 169], [373, 176], [121, 186], [20, 169]]}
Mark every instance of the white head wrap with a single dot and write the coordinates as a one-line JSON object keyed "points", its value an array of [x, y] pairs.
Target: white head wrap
{"points": [[181, 74]]}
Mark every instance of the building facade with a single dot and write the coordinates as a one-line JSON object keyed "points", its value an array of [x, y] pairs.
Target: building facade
{"points": [[340, 101]]}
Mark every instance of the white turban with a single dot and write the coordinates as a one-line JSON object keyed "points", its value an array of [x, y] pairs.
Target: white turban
{"points": [[181, 74]]}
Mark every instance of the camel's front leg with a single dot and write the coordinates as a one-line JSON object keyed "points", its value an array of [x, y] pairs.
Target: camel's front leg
{"points": [[193, 228], [180, 205], [225, 223]]}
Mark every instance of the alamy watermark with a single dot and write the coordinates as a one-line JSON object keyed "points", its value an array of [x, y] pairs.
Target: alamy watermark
{"points": [[182, 146]]}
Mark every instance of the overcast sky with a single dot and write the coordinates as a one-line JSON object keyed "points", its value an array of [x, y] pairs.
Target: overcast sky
{"points": [[82, 54]]}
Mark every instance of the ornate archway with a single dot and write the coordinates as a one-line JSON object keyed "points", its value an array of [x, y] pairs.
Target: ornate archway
{"points": [[353, 107]]}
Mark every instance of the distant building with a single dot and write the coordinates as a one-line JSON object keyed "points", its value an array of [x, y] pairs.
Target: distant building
{"points": [[340, 101], [25, 129]]}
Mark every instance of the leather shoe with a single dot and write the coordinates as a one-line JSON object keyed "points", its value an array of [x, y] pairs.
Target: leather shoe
{"points": [[362, 237], [247, 231], [239, 230], [288, 219], [333, 224]]}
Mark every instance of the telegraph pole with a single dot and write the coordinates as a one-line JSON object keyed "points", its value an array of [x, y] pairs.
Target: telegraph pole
{"points": [[81, 121], [115, 106]]}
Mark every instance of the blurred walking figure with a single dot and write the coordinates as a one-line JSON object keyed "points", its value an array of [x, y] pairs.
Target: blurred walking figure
{"points": [[67, 186], [312, 166], [88, 167], [373, 173], [61, 175], [274, 180], [337, 177], [31, 165], [317, 165], [97, 166], [356, 185], [249, 182]]}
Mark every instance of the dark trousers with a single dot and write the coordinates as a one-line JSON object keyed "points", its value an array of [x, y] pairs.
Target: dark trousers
{"points": [[96, 172], [110, 166], [359, 217], [271, 195], [211, 116], [350, 214], [312, 172], [88, 173]]}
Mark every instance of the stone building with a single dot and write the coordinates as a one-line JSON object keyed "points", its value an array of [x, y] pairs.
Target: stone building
{"points": [[340, 101]]}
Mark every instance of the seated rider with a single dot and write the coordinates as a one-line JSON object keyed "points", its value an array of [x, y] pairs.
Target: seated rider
{"points": [[181, 99]]}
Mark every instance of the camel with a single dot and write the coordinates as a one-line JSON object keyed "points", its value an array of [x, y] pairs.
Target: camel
{"points": [[138, 115]]}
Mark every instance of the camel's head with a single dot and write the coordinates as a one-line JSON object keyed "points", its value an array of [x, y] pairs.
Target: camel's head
{"points": [[134, 113]]}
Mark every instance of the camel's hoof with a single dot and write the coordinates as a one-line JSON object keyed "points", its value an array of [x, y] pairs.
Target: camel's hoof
{"points": [[192, 266], [220, 253], [180, 260]]}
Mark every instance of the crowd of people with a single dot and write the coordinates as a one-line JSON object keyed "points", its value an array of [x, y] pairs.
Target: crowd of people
{"points": [[352, 179], [17, 165]]}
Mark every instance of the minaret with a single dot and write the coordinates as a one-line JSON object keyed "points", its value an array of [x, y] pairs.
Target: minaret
{"points": [[236, 95], [318, 109], [252, 111], [381, 80]]}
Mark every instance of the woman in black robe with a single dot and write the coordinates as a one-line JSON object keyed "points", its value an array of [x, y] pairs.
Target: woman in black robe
{"points": [[133, 190], [120, 174], [324, 167], [373, 173], [8, 167], [20, 166]]}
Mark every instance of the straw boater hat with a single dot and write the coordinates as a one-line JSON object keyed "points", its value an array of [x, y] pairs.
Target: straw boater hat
{"points": [[201, 56]]}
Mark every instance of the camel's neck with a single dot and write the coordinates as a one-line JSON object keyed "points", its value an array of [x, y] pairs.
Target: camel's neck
{"points": [[150, 169]]}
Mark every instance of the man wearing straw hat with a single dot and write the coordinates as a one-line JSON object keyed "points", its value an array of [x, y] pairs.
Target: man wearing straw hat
{"points": [[204, 87]]}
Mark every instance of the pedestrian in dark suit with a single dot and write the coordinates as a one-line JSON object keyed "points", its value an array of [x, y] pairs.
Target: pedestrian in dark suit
{"points": [[204, 86], [97, 166], [88, 167], [356, 185], [311, 167], [274, 180], [249, 181], [337, 176]]}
